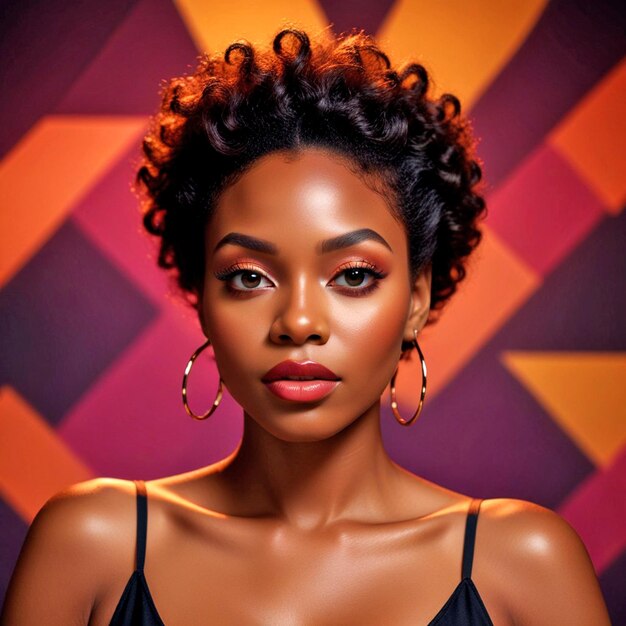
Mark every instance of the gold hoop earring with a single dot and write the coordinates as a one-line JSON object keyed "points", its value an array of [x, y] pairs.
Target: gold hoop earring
{"points": [[392, 387], [218, 397]]}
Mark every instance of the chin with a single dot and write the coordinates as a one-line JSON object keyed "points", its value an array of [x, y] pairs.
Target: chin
{"points": [[301, 428]]}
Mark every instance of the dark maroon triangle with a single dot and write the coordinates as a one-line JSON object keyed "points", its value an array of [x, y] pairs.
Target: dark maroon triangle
{"points": [[151, 45], [344, 15]]}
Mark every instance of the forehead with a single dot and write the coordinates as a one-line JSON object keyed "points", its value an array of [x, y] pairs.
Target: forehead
{"points": [[301, 196]]}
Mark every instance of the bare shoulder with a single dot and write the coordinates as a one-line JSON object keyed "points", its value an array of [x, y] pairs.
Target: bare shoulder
{"points": [[91, 513], [80, 541], [539, 532], [545, 570]]}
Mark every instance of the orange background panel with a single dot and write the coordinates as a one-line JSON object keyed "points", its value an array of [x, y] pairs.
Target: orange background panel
{"points": [[34, 461], [445, 33], [48, 171], [215, 25], [584, 392], [593, 136], [497, 284]]}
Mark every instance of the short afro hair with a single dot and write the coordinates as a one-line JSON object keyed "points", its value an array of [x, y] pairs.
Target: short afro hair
{"points": [[335, 92]]}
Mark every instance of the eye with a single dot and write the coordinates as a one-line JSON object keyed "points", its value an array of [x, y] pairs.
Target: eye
{"points": [[240, 279], [358, 279], [355, 277], [248, 279]]}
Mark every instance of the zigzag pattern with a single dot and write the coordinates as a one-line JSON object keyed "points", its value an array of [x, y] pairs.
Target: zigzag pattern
{"points": [[526, 366]]}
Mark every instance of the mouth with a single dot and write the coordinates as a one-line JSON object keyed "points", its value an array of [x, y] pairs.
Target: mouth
{"points": [[300, 382]]}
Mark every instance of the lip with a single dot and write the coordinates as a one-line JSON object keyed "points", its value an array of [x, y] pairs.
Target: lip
{"points": [[292, 369], [320, 381]]}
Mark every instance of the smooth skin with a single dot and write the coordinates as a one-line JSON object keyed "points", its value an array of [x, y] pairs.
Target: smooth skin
{"points": [[308, 522]]}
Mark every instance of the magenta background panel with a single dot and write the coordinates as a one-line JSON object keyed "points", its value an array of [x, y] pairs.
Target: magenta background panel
{"points": [[543, 209], [143, 391], [598, 515], [109, 216]]}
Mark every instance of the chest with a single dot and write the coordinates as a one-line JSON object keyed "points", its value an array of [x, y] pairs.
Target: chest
{"points": [[300, 585], [300, 591], [231, 574]]}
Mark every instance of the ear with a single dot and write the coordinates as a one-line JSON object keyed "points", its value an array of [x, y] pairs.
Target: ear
{"points": [[200, 311], [419, 305], [203, 325]]}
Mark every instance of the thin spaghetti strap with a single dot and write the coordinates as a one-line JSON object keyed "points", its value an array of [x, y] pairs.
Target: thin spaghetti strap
{"points": [[142, 523], [470, 536]]}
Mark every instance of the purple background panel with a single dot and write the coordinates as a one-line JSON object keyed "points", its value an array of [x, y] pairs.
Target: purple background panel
{"points": [[572, 46], [489, 443], [349, 14], [44, 47], [151, 45], [612, 583], [12, 535], [58, 332], [486, 436], [582, 304], [543, 210]]}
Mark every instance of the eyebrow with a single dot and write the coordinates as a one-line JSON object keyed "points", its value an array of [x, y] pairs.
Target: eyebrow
{"points": [[351, 239], [328, 245], [245, 241]]}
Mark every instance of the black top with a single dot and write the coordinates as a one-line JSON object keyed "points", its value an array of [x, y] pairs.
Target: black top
{"points": [[463, 608]]}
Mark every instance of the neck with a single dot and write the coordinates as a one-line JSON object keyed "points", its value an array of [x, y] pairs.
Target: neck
{"points": [[313, 484]]}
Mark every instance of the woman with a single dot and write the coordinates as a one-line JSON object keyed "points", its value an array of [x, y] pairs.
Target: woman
{"points": [[317, 207]]}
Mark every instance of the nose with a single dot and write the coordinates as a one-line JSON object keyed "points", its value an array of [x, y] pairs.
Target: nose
{"points": [[302, 316]]}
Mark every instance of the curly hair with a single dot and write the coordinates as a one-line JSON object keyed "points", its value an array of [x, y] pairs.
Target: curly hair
{"points": [[338, 93]]}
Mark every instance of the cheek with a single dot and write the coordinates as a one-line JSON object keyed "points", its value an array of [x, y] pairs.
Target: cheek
{"points": [[363, 346], [370, 332], [236, 330], [379, 324]]}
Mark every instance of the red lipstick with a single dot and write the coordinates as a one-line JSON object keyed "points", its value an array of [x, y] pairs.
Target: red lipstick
{"points": [[300, 382]]}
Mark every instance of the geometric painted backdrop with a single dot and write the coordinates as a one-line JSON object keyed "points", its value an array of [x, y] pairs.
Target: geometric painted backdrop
{"points": [[527, 365]]}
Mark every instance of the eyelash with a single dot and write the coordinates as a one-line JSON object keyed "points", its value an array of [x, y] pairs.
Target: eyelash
{"points": [[229, 273], [369, 268]]}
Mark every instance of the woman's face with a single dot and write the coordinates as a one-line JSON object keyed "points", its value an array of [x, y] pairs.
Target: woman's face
{"points": [[305, 262]]}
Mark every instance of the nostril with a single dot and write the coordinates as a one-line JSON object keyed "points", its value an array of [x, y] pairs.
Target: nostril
{"points": [[313, 337]]}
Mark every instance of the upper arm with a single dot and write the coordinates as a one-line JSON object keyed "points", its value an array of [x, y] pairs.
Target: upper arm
{"points": [[547, 575], [68, 554]]}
